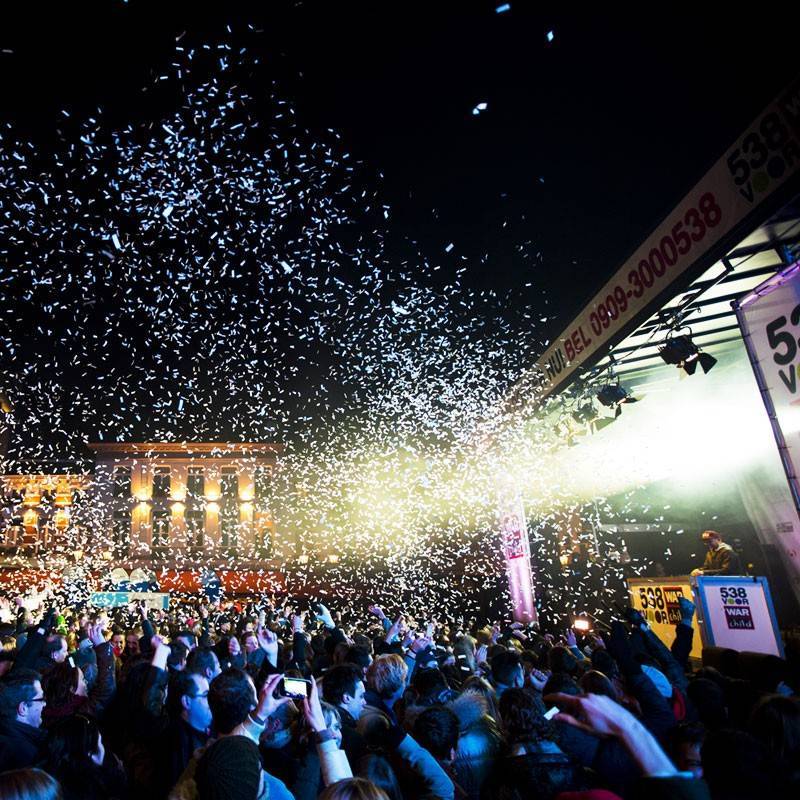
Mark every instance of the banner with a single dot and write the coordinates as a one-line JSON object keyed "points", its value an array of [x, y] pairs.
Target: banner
{"points": [[517, 554], [765, 157], [116, 599], [657, 599], [737, 612], [769, 318]]}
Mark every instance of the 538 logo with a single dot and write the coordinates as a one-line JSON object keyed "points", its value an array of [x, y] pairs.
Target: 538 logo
{"points": [[784, 345], [764, 155]]}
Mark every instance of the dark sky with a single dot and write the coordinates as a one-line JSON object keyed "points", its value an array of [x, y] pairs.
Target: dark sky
{"points": [[619, 115], [586, 142]]}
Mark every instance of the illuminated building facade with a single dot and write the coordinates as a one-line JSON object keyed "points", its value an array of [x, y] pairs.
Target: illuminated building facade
{"points": [[187, 502], [36, 511]]}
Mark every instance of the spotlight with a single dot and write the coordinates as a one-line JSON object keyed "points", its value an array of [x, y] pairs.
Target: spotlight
{"points": [[683, 353], [585, 413], [613, 395]]}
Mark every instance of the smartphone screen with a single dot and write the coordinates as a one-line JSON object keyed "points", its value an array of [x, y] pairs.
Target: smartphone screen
{"points": [[551, 712], [294, 687]]}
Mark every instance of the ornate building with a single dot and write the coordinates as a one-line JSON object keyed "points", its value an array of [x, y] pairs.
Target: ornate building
{"points": [[154, 504], [36, 511], [206, 502]]}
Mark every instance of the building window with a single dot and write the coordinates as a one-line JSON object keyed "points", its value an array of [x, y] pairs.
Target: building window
{"points": [[195, 528], [161, 482], [161, 518], [229, 530], [264, 541], [195, 484], [262, 486], [122, 532], [122, 482], [229, 484]]}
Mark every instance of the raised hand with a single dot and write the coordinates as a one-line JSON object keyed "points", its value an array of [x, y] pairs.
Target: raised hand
{"points": [[377, 611], [391, 634], [268, 642], [312, 709], [267, 704], [418, 645], [97, 632], [537, 679], [324, 616]]}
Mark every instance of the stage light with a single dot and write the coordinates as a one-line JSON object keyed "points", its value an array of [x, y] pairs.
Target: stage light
{"points": [[682, 352], [613, 395], [585, 413]]}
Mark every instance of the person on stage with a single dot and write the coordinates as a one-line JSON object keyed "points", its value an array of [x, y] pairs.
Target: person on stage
{"points": [[721, 558]]}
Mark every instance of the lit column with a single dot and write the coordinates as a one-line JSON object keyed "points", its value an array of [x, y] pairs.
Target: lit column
{"points": [[517, 555]]}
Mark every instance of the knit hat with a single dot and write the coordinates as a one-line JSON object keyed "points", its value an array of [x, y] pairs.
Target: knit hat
{"points": [[659, 679], [229, 770]]}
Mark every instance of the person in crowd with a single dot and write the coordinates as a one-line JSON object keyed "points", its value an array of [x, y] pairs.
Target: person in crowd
{"points": [[386, 682], [29, 784], [343, 687], [533, 764], [775, 723], [354, 789], [203, 661], [22, 741], [77, 757], [507, 672], [66, 689], [721, 558]]}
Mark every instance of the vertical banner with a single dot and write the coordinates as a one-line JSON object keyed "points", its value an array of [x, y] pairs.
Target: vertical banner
{"points": [[769, 318], [517, 555]]}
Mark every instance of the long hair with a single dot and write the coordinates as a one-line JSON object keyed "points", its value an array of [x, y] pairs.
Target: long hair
{"points": [[60, 684], [353, 789], [71, 742], [523, 719], [29, 784]]}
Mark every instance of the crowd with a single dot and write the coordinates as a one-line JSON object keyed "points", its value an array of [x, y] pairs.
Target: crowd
{"points": [[197, 702]]}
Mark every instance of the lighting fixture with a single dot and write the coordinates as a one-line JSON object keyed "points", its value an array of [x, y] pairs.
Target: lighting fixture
{"points": [[613, 395], [683, 353]]}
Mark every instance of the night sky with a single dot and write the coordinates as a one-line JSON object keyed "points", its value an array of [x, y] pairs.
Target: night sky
{"points": [[585, 143]]}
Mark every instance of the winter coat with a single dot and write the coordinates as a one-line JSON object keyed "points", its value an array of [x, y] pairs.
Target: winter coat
{"points": [[106, 782], [21, 746], [534, 772], [479, 743]]}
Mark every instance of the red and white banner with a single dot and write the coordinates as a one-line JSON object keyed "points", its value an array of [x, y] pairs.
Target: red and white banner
{"points": [[765, 157]]}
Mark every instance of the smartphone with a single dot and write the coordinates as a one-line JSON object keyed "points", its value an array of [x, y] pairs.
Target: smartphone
{"points": [[551, 712], [296, 688]]}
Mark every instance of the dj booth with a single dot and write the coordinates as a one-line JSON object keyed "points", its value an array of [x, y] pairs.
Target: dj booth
{"points": [[733, 611]]}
